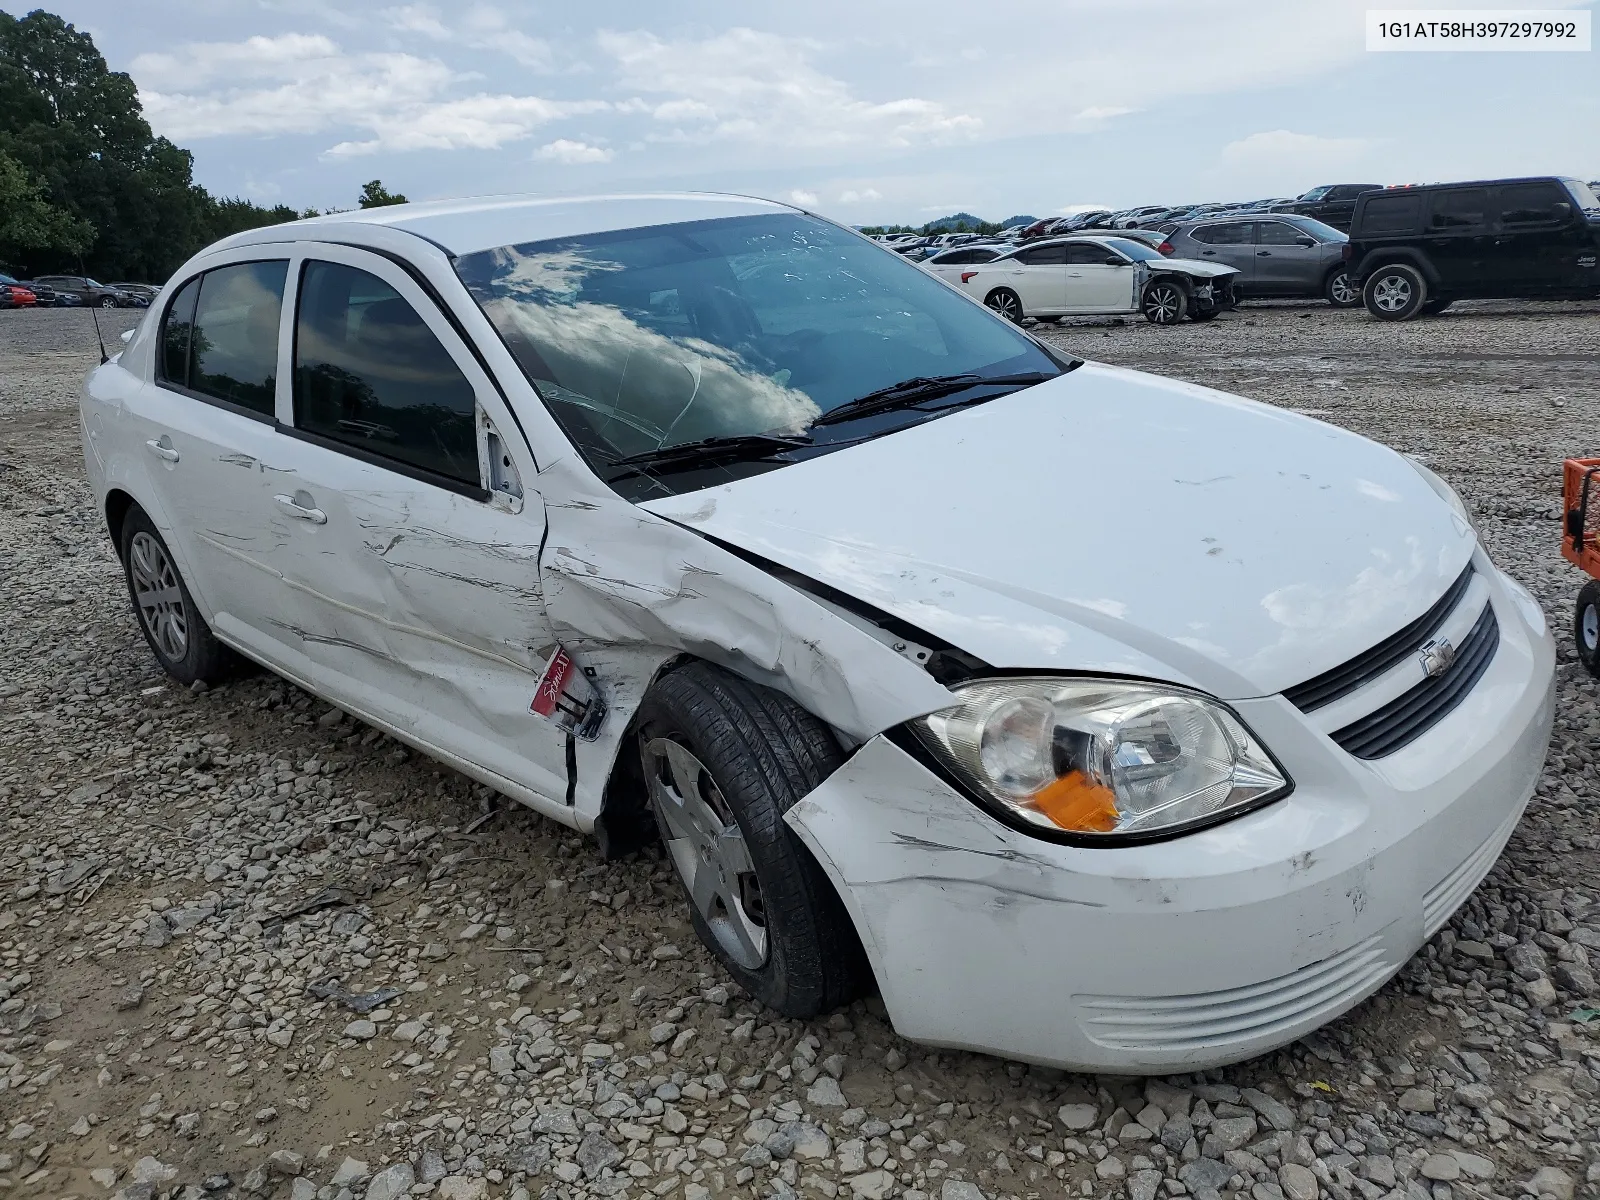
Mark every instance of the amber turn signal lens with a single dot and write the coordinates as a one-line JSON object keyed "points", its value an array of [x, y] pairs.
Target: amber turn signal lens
{"points": [[1073, 802]]}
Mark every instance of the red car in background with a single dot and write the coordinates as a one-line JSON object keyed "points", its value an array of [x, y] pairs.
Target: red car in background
{"points": [[14, 294]]}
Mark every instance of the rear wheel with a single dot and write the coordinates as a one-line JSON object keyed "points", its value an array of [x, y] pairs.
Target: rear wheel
{"points": [[1165, 302], [1338, 291], [172, 625], [1395, 292], [1586, 627], [723, 760], [1007, 303]]}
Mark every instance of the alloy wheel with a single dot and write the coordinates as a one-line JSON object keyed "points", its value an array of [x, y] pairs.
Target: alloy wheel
{"points": [[158, 595], [1006, 305], [1162, 304], [1392, 293], [708, 849], [1341, 290]]}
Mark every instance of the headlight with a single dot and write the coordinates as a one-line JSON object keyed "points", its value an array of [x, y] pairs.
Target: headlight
{"points": [[1448, 494], [1100, 757]]}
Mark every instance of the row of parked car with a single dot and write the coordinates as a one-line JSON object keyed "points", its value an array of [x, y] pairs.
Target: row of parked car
{"points": [[1410, 252], [72, 291]]}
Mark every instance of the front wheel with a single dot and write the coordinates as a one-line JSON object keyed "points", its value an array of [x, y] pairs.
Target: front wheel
{"points": [[1339, 291], [1586, 627], [107, 302], [723, 760], [178, 635], [1007, 303], [1395, 292], [1165, 303]]}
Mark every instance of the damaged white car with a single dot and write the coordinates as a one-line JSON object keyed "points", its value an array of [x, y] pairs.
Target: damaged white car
{"points": [[1095, 719]]}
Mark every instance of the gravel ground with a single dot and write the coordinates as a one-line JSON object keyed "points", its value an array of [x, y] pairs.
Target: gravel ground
{"points": [[196, 888]]}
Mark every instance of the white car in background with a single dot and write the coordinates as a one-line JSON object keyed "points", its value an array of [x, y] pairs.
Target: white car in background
{"points": [[1099, 275], [949, 264], [1099, 720]]}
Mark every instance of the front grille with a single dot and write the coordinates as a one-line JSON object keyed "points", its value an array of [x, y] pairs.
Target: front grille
{"points": [[1360, 670], [1208, 1020], [1408, 716]]}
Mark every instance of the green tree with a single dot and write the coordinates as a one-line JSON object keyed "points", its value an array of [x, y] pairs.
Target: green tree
{"points": [[30, 222], [375, 195]]}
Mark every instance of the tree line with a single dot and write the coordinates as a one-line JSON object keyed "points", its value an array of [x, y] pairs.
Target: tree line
{"points": [[86, 187]]}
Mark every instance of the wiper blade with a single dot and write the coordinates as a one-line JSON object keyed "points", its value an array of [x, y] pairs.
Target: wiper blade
{"points": [[728, 448], [909, 393]]}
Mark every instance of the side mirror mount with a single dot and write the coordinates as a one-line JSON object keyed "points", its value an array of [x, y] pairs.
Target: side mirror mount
{"points": [[1562, 209], [1113, 261], [1305, 241]]}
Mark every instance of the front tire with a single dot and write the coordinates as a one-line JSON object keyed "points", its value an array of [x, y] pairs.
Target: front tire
{"points": [[171, 622], [1006, 303], [1586, 627], [1165, 302], [1338, 291], [723, 760], [1395, 292], [106, 302]]}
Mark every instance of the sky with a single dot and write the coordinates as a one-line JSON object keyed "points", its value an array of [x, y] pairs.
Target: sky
{"points": [[869, 113]]}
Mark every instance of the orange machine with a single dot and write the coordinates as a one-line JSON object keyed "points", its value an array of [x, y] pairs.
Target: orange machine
{"points": [[1580, 543]]}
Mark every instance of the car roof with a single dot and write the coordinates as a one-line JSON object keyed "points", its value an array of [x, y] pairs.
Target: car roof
{"points": [[1434, 187], [468, 225]]}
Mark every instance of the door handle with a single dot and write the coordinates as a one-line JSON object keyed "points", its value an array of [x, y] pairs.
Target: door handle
{"points": [[1263, 253], [1209, 253], [301, 505], [1074, 274], [163, 448]]}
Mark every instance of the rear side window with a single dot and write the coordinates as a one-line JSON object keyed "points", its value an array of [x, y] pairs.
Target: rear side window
{"points": [[1044, 256], [369, 373], [1233, 233], [1391, 214], [1279, 233], [1532, 204], [220, 335], [1467, 208]]}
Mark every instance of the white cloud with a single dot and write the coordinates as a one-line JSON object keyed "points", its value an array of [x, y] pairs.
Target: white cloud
{"points": [[563, 150], [481, 27], [1287, 153], [852, 196], [1068, 210], [300, 84], [748, 85], [1097, 114], [803, 198]]}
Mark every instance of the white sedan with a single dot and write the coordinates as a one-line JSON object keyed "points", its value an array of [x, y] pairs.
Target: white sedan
{"points": [[1096, 719], [1086, 275]]}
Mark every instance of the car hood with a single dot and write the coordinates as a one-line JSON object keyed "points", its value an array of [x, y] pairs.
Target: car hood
{"points": [[1194, 266], [1109, 521]]}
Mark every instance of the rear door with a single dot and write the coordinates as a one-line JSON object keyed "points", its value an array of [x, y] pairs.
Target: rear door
{"points": [[1459, 241], [1288, 261], [1039, 277], [1231, 243], [1099, 280], [1538, 238], [411, 547]]}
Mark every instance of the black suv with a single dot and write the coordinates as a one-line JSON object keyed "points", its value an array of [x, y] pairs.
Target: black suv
{"points": [[1415, 250], [1332, 203]]}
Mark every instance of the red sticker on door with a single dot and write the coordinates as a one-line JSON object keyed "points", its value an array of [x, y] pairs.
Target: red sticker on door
{"points": [[552, 683], [566, 696]]}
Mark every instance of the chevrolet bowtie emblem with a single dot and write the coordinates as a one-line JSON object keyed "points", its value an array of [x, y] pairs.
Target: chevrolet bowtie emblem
{"points": [[1436, 657]]}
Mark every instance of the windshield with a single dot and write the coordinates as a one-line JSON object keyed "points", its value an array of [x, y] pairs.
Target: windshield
{"points": [[1135, 250], [655, 337], [1317, 193], [1316, 229], [1584, 195]]}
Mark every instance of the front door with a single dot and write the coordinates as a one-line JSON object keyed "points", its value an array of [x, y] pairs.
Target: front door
{"points": [[1458, 241], [1539, 237], [1288, 260], [413, 549], [1099, 280]]}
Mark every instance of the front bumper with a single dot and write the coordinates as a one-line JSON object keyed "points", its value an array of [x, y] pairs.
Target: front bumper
{"points": [[1198, 951]]}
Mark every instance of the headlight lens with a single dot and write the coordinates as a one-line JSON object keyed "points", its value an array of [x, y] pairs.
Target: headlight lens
{"points": [[1101, 758], [1448, 494]]}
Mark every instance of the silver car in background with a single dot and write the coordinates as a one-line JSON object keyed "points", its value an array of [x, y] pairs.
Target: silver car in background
{"points": [[1277, 255]]}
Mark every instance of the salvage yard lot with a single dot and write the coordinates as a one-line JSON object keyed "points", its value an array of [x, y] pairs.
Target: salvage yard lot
{"points": [[558, 1029]]}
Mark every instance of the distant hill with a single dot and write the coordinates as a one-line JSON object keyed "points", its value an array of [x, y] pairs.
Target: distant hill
{"points": [[953, 223], [1013, 222]]}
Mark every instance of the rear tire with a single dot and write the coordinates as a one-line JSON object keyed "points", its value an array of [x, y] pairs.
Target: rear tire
{"points": [[1395, 292], [723, 760], [172, 625], [1165, 302], [1006, 303], [1338, 291], [1586, 627]]}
